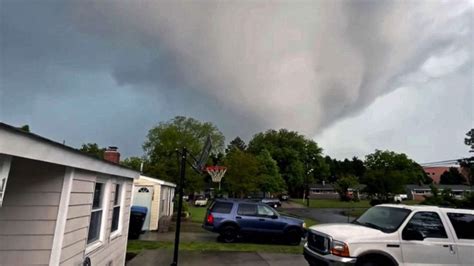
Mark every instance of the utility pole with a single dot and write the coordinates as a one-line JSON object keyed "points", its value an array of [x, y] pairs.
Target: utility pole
{"points": [[180, 205]]}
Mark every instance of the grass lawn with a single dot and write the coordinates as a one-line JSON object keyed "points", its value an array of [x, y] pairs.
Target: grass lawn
{"points": [[197, 214], [333, 203], [135, 246]]}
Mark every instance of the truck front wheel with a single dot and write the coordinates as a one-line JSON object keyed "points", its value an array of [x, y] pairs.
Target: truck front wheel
{"points": [[374, 260]]}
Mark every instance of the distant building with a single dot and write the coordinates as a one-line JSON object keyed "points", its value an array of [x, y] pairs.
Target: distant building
{"points": [[416, 192], [328, 191], [435, 172]]}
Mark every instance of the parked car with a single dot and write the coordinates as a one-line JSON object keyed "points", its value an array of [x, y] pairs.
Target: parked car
{"points": [[392, 234], [275, 203], [235, 219], [200, 200], [284, 197], [400, 197]]}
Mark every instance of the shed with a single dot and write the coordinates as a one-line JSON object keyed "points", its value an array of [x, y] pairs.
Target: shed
{"points": [[59, 206], [157, 195]]}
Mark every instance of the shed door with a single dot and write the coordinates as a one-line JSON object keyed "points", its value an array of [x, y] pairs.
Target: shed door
{"points": [[143, 197]]}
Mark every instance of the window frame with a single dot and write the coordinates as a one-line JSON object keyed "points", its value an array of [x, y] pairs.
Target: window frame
{"points": [[409, 219], [263, 206], [121, 203], [105, 202], [249, 215]]}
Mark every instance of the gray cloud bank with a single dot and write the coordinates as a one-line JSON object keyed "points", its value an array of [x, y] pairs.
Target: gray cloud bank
{"points": [[249, 65]]}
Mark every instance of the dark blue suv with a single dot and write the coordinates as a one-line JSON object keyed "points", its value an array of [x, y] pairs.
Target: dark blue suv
{"points": [[233, 219]]}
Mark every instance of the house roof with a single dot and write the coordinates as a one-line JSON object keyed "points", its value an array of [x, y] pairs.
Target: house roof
{"points": [[158, 181], [16, 142]]}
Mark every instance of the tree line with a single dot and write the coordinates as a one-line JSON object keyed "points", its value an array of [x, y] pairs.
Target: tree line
{"points": [[272, 162]]}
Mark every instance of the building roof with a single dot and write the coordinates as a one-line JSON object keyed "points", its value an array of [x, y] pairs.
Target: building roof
{"points": [[158, 181], [16, 142]]}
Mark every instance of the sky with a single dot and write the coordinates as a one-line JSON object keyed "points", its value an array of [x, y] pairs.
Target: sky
{"points": [[355, 76]]}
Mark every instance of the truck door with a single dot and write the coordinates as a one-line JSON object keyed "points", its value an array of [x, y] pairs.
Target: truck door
{"points": [[425, 241], [463, 225]]}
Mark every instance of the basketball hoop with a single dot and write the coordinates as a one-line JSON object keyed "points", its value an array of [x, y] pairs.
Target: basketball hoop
{"points": [[216, 173]]}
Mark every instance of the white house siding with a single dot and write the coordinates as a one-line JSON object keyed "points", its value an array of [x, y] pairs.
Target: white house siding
{"points": [[29, 212], [155, 203], [77, 224]]}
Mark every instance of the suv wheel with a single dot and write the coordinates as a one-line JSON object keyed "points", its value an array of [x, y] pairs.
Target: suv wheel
{"points": [[229, 234], [293, 237]]}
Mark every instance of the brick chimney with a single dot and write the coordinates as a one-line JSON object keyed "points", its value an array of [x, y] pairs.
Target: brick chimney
{"points": [[111, 154]]}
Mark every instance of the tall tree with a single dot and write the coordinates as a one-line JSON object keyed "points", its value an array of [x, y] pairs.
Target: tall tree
{"points": [[269, 178], [452, 177], [163, 141], [468, 163], [93, 149], [236, 143], [294, 154], [241, 176], [25, 128], [388, 172]]}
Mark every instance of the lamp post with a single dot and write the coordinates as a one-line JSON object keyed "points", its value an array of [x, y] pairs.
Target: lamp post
{"points": [[307, 186]]}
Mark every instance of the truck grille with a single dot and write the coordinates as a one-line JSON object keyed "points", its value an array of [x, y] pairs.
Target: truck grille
{"points": [[318, 243]]}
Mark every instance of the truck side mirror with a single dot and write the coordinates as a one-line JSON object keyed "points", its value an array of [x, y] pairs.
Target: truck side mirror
{"points": [[412, 234]]}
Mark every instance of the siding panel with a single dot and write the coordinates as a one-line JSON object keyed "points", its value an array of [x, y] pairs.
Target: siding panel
{"points": [[27, 227], [25, 257], [28, 213], [74, 236], [77, 223], [34, 199], [80, 198], [79, 211], [82, 186], [72, 250], [26, 242]]}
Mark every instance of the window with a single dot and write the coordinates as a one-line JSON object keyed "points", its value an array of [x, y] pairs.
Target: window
{"points": [[463, 225], [265, 211], [222, 207], [428, 224], [143, 190], [247, 209], [116, 209], [96, 214], [386, 219]]}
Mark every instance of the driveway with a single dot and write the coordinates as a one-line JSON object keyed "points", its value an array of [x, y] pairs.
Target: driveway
{"points": [[323, 215], [213, 258]]}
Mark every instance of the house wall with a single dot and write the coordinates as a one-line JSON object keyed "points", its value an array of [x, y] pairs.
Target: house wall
{"points": [[77, 223], [29, 212], [155, 203]]}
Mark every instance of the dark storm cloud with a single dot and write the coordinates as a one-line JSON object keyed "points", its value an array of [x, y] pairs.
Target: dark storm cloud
{"points": [[247, 66]]}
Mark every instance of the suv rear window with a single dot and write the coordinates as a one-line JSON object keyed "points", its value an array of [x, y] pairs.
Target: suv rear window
{"points": [[463, 225], [222, 207]]}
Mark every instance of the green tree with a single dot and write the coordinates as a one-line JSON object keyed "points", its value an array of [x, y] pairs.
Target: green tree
{"points": [[452, 177], [241, 176], [388, 173], [25, 128], [93, 149], [468, 163], [236, 143], [133, 163], [343, 184], [294, 154], [269, 178], [167, 137]]}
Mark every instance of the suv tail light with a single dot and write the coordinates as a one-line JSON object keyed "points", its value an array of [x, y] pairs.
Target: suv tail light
{"points": [[210, 219]]}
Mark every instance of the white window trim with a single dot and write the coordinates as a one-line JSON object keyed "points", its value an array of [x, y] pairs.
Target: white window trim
{"points": [[123, 191], [105, 211]]}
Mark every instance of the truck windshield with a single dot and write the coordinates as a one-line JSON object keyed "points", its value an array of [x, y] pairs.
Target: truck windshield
{"points": [[385, 219]]}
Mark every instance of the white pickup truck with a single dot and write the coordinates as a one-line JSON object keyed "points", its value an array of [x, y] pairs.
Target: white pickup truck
{"points": [[395, 235]]}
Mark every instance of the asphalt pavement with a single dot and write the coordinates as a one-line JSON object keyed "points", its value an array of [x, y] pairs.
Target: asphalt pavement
{"points": [[164, 257]]}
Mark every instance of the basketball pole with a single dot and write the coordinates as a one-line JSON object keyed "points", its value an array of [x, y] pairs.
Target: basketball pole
{"points": [[180, 205]]}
